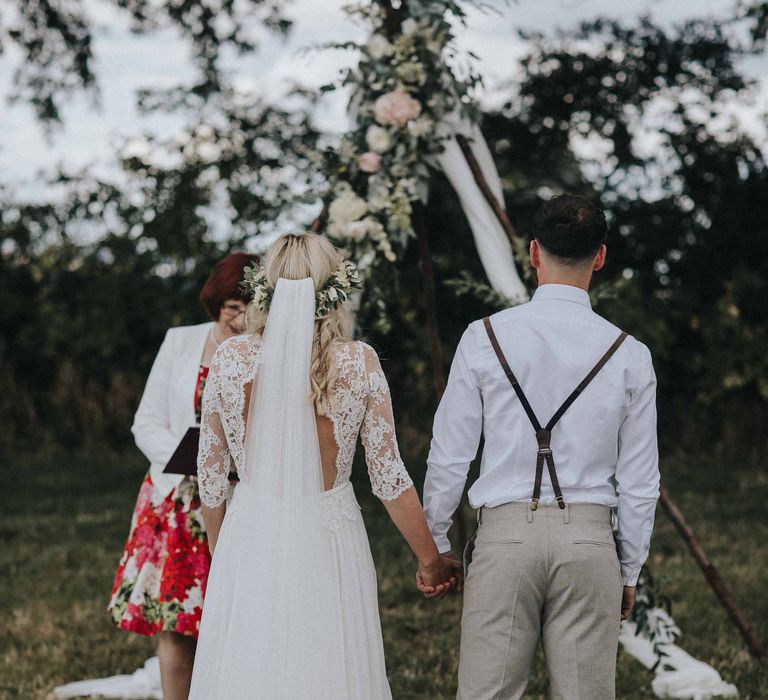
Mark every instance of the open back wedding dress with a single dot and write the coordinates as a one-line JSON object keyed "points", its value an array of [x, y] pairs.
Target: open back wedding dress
{"points": [[291, 608]]}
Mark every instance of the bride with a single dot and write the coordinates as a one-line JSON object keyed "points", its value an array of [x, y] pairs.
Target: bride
{"points": [[291, 607]]}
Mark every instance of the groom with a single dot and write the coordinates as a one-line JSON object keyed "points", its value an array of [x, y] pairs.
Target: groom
{"points": [[566, 404]]}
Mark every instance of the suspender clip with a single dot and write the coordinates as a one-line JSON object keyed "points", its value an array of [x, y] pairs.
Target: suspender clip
{"points": [[534, 503], [560, 502]]}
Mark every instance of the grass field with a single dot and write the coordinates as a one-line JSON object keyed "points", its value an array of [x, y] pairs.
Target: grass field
{"points": [[64, 519]]}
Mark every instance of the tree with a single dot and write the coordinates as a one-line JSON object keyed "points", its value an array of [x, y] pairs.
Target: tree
{"points": [[54, 41], [687, 244]]}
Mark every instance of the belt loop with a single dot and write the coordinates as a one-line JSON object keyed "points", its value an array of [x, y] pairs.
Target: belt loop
{"points": [[567, 514], [529, 515]]}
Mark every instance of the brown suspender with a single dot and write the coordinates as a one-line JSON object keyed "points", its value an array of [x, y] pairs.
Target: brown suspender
{"points": [[544, 435]]}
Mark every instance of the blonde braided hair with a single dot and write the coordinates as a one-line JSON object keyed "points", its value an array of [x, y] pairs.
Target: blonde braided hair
{"points": [[298, 256]]}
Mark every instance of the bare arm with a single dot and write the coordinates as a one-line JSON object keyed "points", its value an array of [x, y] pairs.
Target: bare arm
{"points": [[437, 574], [407, 515], [213, 518], [393, 486]]}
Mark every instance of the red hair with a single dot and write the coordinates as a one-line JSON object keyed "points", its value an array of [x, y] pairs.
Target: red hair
{"points": [[224, 282]]}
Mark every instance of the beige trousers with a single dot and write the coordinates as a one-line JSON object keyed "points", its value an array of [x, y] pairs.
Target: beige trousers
{"points": [[548, 574]]}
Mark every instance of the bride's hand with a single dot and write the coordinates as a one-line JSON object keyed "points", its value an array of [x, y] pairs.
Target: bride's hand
{"points": [[439, 576]]}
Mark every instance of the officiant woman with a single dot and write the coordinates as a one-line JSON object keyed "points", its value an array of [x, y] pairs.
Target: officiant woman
{"points": [[160, 581]]}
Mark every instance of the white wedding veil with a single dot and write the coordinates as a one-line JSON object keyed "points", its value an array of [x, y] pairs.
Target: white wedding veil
{"points": [[282, 455], [279, 501]]}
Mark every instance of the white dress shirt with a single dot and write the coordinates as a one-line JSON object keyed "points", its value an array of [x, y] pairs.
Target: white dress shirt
{"points": [[604, 446]]}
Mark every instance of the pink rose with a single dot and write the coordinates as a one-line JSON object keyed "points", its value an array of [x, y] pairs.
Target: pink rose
{"points": [[396, 108], [369, 162]]}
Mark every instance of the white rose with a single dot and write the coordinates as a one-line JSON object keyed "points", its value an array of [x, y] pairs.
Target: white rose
{"points": [[377, 138], [379, 47], [410, 26], [378, 198], [347, 207]]}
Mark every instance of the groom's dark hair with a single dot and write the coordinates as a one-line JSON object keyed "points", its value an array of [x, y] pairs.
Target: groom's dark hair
{"points": [[569, 226]]}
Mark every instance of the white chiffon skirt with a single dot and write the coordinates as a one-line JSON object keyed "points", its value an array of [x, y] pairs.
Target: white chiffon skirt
{"points": [[291, 608]]}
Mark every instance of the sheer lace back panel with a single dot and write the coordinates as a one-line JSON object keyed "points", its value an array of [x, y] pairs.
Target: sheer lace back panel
{"points": [[360, 404]]}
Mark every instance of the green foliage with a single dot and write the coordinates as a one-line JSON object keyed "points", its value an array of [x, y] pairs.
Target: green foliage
{"points": [[638, 122], [682, 184], [91, 282], [55, 40]]}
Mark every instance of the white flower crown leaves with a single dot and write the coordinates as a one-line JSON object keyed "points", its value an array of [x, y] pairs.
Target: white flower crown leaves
{"points": [[334, 292]]}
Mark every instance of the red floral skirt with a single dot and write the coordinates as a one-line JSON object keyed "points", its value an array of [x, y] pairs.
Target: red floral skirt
{"points": [[160, 581]]}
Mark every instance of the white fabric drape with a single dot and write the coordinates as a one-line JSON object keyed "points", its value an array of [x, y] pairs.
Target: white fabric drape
{"points": [[143, 684], [680, 675], [493, 246]]}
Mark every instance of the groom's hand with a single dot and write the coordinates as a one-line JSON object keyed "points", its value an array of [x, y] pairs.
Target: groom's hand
{"points": [[437, 578], [458, 568], [627, 601]]}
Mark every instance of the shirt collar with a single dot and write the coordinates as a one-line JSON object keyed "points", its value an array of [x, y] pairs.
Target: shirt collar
{"points": [[562, 292]]}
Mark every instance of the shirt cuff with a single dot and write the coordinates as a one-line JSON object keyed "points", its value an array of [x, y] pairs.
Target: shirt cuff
{"points": [[443, 544], [630, 574]]}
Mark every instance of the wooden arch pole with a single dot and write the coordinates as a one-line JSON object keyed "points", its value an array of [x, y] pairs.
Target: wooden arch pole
{"points": [[710, 571]]}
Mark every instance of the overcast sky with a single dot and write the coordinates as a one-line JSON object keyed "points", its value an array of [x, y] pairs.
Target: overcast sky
{"points": [[126, 62]]}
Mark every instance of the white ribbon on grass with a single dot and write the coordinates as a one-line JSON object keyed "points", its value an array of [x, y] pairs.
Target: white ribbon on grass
{"points": [[679, 675], [139, 685]]}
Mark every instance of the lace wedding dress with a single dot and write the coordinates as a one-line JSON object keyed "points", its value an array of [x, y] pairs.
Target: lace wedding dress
{"points": [[291, 608]]}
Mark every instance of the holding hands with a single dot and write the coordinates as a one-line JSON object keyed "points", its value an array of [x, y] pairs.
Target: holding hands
{"points": [[438, 576]]}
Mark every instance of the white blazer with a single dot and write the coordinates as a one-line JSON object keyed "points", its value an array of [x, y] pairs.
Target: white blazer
{"points": [[167, 407]]}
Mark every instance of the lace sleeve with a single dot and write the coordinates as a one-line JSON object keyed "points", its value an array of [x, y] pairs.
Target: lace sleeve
{"points": [[213, 457], [389, 478]]}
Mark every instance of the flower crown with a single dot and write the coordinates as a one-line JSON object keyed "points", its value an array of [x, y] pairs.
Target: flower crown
{"points": [[334, 292]]}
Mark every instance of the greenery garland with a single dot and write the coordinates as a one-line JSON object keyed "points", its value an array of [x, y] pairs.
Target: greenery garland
{"points": [[337, 289]]}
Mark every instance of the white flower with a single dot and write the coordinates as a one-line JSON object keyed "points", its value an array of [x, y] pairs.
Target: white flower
{"points": [[409, 186], [194, 600], [410, 26], [347, 207], [379, 47], [148, 581], [421, 126], [356, 230], [377, 138], [378, 197], [412, 72], [131, 570]]}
